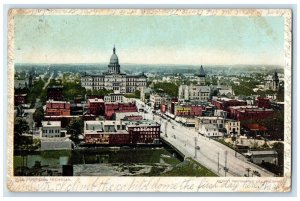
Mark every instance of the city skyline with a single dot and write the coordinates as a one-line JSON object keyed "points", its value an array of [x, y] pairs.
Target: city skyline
{"points": [[150, 39]]}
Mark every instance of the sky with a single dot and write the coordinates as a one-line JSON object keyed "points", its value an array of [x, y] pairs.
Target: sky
{"points": [[191, 40]]}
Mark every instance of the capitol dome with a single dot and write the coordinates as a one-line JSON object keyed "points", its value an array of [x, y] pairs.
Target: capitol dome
{"points": [[114, 58]]}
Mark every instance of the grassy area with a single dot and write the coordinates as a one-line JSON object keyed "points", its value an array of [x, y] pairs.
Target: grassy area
{"points": [[189, 168]]}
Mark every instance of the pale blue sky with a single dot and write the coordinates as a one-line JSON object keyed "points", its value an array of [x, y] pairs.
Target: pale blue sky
{"points": [[150, 39]]}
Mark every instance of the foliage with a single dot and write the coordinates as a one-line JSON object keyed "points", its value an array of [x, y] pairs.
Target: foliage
{"points": [[279, 148], [75, 128], [274, 124], [73, 89], [136, 94], [169, 88], [246, 87], [38, 116], [20, 126], [100, 92], [189, 168], [37, 91]]}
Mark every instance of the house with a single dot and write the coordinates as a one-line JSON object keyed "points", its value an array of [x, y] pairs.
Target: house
{"points": [[210, 130], [217, 121]]}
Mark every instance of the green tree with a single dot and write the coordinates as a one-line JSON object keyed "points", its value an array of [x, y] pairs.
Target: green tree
{"points": [[38, 116], [20, 126], [75, 128], [279, 148], [136, 94], [169, 88]]}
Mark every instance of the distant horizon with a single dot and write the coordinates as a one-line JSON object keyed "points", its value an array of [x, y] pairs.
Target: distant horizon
{"points": [[152, 64]]}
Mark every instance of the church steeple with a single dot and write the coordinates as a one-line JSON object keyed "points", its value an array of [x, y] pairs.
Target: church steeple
{"points": [[114, 50]]}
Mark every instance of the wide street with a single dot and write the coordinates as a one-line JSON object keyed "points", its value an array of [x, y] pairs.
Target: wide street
{"points": [[211, 154]]}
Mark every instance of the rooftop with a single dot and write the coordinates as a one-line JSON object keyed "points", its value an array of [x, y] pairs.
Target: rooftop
{"points": [[51, 123], [53, 101], [96, 100]]}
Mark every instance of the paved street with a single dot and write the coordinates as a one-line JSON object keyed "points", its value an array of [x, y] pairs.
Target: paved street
{"points": [[211, 153]]}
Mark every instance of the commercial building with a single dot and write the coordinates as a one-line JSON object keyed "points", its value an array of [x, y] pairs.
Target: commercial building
{"points": [[249, 112], [113, 79], [96, 106], [57, 108], [111, 108], [51, 129], [232, 127], [121, 132], [216, 121], [188, 110], [223, 103]]}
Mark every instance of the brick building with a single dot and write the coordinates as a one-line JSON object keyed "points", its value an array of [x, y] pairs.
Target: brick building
{"points": [[20, 99], [143, 132], [96, 106], [249, 112], [55, 93], [188, 110], [111, 108], [121, 132], [263, 102], [57, 108], [224, 103]]}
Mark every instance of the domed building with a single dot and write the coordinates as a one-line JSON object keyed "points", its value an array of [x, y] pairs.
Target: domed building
{"points": [[113, 79]]}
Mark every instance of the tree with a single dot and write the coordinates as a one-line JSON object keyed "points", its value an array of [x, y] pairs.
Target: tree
{"points": [[279, 148], [75, 128], [169, 88], [38, 116], [21, 126]]}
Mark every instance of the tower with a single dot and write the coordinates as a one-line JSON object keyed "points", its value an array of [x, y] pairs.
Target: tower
{"points": [[113, 66], [275, 82], [201, 77]]}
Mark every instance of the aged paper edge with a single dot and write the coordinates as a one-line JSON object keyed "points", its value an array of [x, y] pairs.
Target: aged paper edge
{"points": [[151, 184]]}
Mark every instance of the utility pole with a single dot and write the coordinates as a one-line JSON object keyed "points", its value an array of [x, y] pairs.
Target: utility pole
{"points": [[166, 129], [195, 147], [218, 162], [225, 168]]}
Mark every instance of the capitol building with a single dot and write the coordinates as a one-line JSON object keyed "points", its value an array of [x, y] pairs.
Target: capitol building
{"points": [[113, 79]]}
